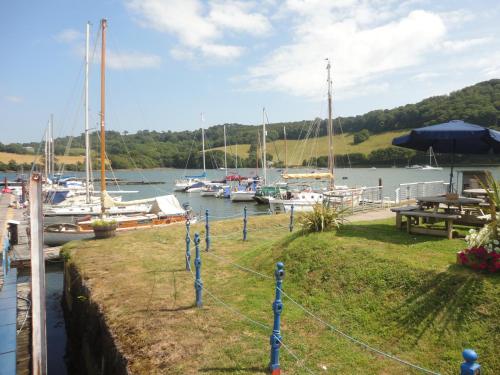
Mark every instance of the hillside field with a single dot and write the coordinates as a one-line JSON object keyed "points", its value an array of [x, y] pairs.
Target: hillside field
{"points": [[299, 150], [5, 157]]}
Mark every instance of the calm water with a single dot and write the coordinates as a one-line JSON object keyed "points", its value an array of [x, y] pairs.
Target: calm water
{"points": [[355, 177], [56, 329]]}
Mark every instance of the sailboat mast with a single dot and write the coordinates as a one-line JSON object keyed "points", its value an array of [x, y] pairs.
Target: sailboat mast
{"points": [[225, 150], [87, 144], [236, 159], [286, 150], [430, 156], [47, 153], [264, 167], [331, 160], [51, 145], [103, 108]]}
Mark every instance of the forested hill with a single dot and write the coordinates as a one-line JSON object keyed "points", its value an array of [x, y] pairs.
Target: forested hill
{"points": [[479, 104]]}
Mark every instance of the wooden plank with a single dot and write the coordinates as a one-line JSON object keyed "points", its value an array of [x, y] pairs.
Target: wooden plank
{"points": [[430, 214], [39, 333], [429, 231]]}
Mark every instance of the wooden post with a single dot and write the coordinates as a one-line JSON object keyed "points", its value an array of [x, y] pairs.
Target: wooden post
{"points": [[39, 334]]}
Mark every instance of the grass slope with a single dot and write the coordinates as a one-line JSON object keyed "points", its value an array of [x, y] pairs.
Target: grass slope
{"points": [[5, 157], [400, 293], [300, 150]]}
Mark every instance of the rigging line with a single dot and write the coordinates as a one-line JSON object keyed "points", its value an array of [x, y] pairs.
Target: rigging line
{"points": [[109, 162], [344, 141], [355, 340], [274, 143]]}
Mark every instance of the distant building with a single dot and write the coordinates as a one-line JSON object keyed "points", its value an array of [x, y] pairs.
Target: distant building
{"points": [[29, 149]]}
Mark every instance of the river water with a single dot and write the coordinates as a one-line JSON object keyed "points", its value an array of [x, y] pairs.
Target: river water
{"points": [[353, 177]]}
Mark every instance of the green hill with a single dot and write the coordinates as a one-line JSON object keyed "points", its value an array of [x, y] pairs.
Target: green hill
{"points": [[479, 104]]}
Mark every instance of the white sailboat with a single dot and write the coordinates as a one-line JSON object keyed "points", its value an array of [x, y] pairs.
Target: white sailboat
{"points": [[163, 211], [305, 199], [80, 201], [194, 184], [430, 167]]}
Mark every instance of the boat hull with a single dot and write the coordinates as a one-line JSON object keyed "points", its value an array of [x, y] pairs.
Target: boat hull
{"points": [[242, 196]]}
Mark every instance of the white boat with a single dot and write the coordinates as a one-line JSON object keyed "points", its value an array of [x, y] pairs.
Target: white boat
{"points": [[164, 211], [242, 196], [302, 201], [428, 167], [211, 190]]}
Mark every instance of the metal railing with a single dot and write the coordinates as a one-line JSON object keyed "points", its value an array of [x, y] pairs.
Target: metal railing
{"points": [[414, 190], [360, 199]]}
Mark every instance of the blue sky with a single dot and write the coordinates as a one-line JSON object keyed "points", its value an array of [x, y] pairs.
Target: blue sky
{"points": [[169, 60]]}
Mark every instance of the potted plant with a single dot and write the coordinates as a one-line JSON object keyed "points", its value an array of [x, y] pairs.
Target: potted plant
{"points": [[104, 228], [483, 246]]}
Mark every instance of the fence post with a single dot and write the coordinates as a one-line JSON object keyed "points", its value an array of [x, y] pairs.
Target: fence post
{"points": [[470, 366], [207, 231], [291, 218], [275, 338], [198, 284], [245, 223], [188, 245]]}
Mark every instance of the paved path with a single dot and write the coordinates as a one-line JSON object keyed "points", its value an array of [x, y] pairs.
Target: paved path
{"points": [[385, 213]]}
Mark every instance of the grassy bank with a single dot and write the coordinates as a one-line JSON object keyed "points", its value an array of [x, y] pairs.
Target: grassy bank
{"points": [[400, 293], [300, 150]]}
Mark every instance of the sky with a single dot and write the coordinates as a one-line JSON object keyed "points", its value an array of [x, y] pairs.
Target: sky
{"points": [[170, 60]]}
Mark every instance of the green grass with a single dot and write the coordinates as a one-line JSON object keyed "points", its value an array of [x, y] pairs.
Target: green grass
{"points": [[398, 292], [300, 150]]}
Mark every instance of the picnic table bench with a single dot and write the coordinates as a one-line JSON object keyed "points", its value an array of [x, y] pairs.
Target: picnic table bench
{"points": [[399, 217], [417, 214]]}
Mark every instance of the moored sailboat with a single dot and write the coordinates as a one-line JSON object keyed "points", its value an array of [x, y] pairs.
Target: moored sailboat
{"points": [[163, 210]]}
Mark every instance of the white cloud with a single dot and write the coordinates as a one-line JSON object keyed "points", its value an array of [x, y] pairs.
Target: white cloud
{"points": [[360, 53], [200, 28], [461, 45], [132, 60], [68, 36], [237, 16], [115, 60], [13, 98]]}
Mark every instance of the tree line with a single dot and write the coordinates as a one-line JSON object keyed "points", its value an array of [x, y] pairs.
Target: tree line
{"points": [[479, 104]]}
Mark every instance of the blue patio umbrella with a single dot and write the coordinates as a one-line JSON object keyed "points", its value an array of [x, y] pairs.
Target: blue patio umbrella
{"points": [[454, 137]]}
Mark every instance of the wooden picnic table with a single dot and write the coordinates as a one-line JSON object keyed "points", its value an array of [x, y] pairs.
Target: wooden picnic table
{"points": [[459, 202]]}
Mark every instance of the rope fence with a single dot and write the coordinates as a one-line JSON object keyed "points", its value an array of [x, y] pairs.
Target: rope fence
{"points": [[276, 340]]}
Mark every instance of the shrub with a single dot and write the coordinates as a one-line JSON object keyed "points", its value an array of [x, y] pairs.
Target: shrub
{"points": [[103, 223], [322, 218]]}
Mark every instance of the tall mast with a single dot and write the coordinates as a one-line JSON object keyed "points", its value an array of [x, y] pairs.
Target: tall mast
{"points": [[203, 142], [264, 167], [236, 159], [286, 150], [225, 150], [103, 112], [51, 145], [87, 143], [257, 151], [47, 153], [331, 160]]}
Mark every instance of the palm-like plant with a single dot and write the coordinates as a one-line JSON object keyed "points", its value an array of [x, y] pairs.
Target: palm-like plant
{"points": [[492, 188], [322, 218]]}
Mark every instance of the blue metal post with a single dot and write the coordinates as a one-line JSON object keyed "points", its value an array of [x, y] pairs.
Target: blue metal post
{"points": [[207, 231], [188, 245], [275, 338], [245, 223], [198, 284], [470, 366], [291, 218]]}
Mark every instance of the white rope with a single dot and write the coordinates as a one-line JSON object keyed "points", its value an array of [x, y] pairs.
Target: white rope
{"points": [[353, 339], [297, 359]]}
